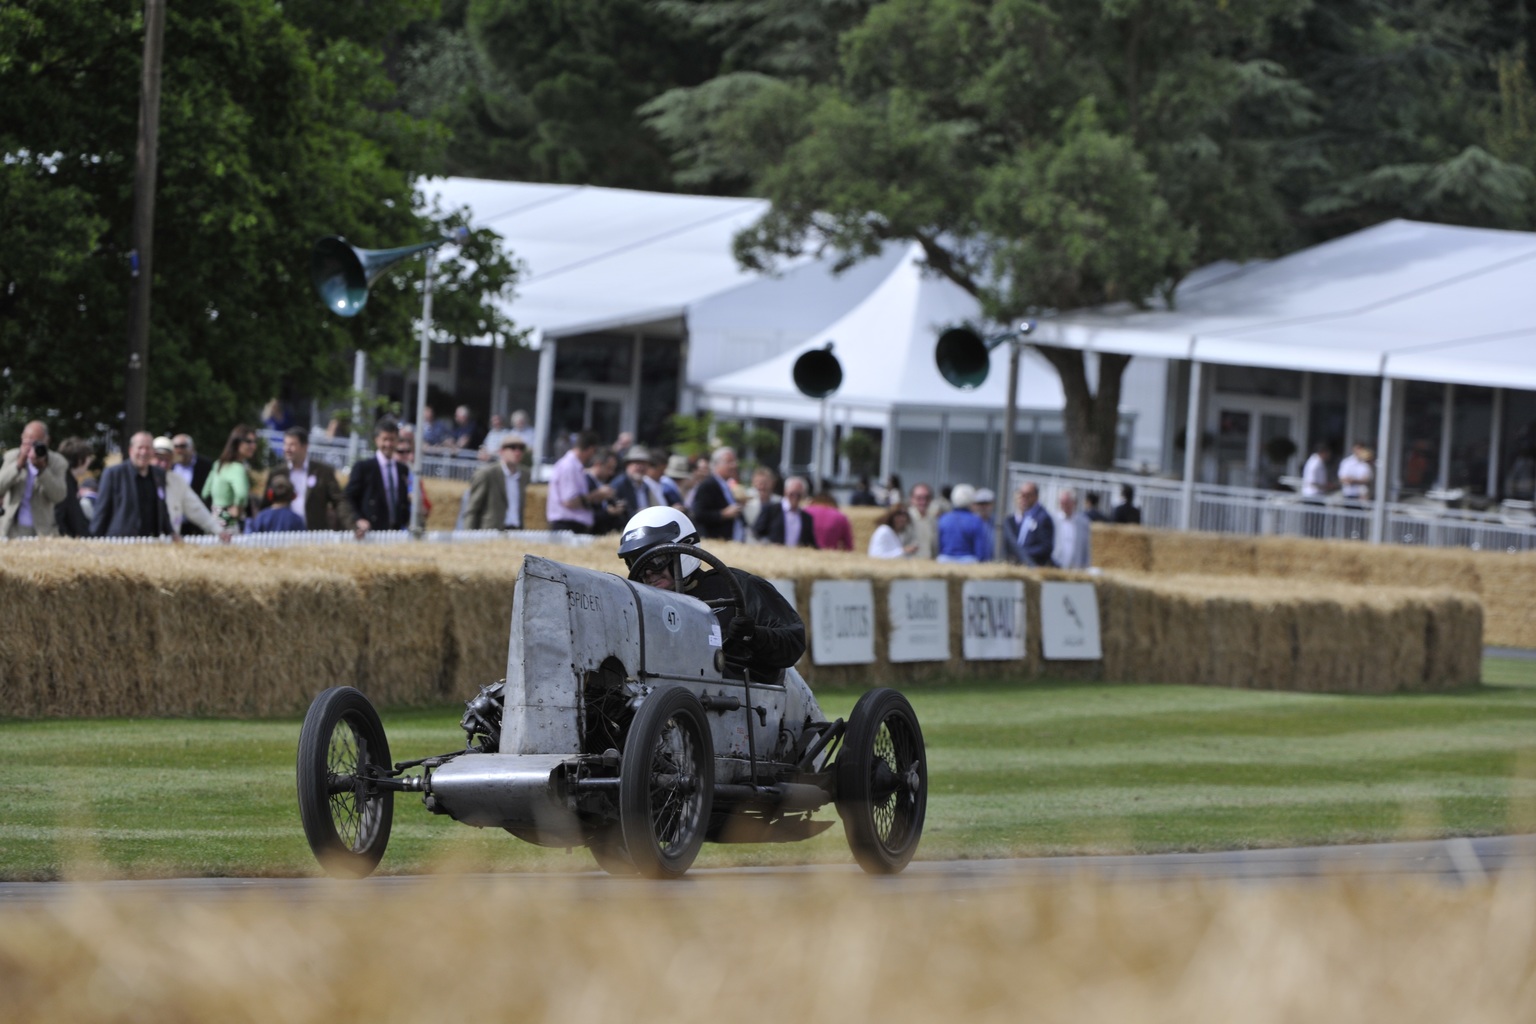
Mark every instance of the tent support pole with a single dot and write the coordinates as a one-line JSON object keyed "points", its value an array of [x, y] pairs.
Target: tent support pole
{"points": [[1005, 450], [1496, 444], [1383, 463], [543, 404], [1191, 447]]}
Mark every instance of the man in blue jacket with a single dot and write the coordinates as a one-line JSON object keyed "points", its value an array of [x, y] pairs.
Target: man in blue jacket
{"points": [[964, 536], [1036, 539]]}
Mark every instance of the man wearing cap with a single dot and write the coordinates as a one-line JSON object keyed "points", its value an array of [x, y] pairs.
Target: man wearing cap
{"points": [[192, 467], [498, 494], [660, 472], [185, 508], [317, 495], [634, 487], [31, 483], [963, 535]]}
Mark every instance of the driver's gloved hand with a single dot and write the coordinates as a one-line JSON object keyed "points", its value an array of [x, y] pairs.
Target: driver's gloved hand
{"points": [[739, 635]]}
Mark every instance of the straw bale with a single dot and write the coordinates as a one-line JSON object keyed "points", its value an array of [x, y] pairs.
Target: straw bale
{"points": [[103, 630], [1123, 547]]}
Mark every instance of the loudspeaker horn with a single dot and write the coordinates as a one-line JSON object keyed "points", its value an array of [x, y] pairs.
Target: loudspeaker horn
{"points": [[342, 273], [817, 373], [964, 356]]}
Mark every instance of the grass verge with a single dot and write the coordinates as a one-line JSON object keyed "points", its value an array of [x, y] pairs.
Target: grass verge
{"points": [[1016, 770]]}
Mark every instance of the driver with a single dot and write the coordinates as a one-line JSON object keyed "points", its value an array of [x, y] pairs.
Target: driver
{"points": [[765, 637]]}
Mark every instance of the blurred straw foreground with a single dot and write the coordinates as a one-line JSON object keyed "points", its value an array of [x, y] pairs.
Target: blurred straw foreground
{"points": [[828, 948]]}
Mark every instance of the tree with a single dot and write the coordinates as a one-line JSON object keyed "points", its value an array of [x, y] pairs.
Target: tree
{"points": [[1056, 154], [274, 132], [543, 91]]}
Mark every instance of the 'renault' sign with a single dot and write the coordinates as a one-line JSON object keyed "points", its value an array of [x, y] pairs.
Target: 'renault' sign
{"points": [[842, 622], [919, 620], [1069, 622], [994, 620]]}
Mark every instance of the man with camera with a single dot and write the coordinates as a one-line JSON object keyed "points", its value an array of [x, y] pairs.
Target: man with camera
{"points": [[31, 483]]}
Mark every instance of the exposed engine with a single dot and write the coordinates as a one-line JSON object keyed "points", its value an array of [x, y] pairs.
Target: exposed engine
{"points": [[482, 718]]}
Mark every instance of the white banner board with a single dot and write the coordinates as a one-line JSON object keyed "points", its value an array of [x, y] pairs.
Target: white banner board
{"points": [[919, 614], [1069, 622], [842, 622], [787, 589], [994, 620]]}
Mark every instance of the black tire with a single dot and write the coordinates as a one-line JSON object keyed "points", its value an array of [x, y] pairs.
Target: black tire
{"points": [[347, 823], [608, 850], [666, 783], [882, 782]]}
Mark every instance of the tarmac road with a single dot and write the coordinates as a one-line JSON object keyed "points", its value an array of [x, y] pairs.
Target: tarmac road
{"points": [[1453, 861]]}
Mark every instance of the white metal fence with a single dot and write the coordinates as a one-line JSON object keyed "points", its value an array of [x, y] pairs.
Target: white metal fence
{"points": [[340, 453], [1252, 512]]}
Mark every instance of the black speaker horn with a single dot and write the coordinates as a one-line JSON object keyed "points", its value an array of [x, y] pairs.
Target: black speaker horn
{"points": [[817, 373], [342, 273], [964, 356]]}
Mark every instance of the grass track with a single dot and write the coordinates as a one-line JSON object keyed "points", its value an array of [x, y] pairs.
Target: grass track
{"points": [[1015, 769]]}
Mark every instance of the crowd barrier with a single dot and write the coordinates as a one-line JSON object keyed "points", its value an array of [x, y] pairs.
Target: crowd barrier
{"points": [[136, 630]]}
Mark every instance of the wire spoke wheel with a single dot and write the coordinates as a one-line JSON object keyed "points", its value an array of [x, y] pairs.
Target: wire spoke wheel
{"points": [[346, 818], [666, 783], [882, 782]]}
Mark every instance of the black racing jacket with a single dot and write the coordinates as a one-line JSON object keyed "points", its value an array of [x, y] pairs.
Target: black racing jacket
{"points": [[779, 639]]}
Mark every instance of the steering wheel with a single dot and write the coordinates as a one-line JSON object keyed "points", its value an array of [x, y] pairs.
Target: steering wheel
{"points": [[738, 598]]}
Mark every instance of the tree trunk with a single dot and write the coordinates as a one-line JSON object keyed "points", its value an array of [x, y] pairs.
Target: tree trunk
{"points": [[1090, 420]]}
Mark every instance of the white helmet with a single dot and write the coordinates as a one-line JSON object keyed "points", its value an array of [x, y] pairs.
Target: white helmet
{"points": [[651, 527]]}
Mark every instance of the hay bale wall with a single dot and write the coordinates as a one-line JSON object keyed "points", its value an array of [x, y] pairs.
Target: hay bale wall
{"points": [[1498, 579], [102, 630]]}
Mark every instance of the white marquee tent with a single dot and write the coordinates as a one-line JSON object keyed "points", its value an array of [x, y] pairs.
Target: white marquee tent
{"points": [[1403, 299]]}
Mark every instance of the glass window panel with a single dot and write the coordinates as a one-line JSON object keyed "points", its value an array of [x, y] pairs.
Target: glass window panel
{"points": [[1423, 412], [1518, 479], [595, 358], [968, 462], [1471, 430], [1258, 380]]}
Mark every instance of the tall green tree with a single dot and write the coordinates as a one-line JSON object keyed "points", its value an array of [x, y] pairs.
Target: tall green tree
{"points": [[1055, 154], [548, 91], [275, 130], [1046, 155]]}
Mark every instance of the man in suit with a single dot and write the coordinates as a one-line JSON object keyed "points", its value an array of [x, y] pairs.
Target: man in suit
{"points": [[379, 488], [498, 494], [193, 468], [716, 511], [188, 513], [784, 521], [131, 502], [1036, 539], [634, 489], [31, 483], [318, 498]]}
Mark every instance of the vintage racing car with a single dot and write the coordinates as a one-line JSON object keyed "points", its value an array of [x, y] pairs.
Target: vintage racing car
{"points": [[619, 728]]}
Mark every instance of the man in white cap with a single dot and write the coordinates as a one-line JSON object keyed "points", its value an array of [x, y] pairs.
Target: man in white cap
{"points": [[184, 506], [963, 535]]}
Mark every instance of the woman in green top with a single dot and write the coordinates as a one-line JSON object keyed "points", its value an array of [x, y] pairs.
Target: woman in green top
{"points": [[228, 488]]}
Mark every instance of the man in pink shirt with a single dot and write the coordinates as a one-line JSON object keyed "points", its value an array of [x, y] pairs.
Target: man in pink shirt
{"points": [[571, 504], [833, 531]]}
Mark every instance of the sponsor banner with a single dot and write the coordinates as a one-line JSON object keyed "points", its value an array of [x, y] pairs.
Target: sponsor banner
{"points": [[1069, 622], [993, 613], [787, 588], [919, 620], [842, 622]]}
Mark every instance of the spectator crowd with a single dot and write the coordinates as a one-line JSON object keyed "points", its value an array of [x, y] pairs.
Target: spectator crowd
{"points": [[164, 487]]}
